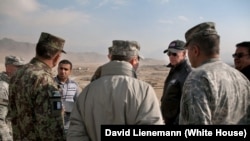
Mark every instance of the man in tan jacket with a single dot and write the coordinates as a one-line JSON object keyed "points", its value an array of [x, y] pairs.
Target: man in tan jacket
{"points": [[117, 97]]}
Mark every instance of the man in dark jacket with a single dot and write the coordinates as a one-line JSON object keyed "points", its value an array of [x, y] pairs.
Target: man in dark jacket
{"points": [[242, 58], [179, 70]]}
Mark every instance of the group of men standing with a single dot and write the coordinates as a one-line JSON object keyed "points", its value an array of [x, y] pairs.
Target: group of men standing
{"points": [[207, 91], [203, 90], [34, 102]]}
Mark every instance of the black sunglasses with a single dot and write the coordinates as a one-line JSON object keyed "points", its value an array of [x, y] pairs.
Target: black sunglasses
{"points": [[239, 55], [171, 53]]}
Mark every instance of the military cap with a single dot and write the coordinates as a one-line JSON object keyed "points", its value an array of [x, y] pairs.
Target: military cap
{"points": [[202, 29], [52, 41], [14, 60], [110, 49], [126, 48], [175, 46]]}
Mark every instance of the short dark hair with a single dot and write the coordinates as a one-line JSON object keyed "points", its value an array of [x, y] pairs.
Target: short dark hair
{"points": [[245, 44], [66, 62], [209, 45], [45, 51]]}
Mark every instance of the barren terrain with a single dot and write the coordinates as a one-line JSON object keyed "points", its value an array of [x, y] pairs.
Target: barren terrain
{"points": [[153, 74], [150, 70]]}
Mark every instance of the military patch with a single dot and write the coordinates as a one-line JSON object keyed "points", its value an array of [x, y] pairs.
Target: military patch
{"points": [[56, 94]]}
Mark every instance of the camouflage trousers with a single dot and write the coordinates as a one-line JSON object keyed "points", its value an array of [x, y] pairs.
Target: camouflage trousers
{"points": [[5, 132]]}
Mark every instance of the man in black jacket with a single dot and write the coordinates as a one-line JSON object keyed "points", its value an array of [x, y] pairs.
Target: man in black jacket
{"points": [[242, 58], [179, 70]]}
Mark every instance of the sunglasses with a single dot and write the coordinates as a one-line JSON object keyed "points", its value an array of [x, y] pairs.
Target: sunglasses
{"points": [[239, 55], [171, 53]]}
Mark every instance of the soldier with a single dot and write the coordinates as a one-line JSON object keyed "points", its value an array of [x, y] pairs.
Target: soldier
{"points": [[69, 88], [117, 97], [12, 63], [35, 104], [214, 92]]}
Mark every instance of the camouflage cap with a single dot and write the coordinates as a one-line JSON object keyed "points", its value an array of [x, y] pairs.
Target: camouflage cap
{"points": [[126, 48], [14, 60], [110, 49], [202, 29], [175, 46], [52, 41]]}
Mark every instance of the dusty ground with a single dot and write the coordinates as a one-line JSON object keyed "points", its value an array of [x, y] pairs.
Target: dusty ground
{"points": [[153, 74]]}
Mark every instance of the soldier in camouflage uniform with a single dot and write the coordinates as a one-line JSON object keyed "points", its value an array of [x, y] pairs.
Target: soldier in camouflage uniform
{"points": [[12, 63], [4, 77], [214, 92], [35, 104]]}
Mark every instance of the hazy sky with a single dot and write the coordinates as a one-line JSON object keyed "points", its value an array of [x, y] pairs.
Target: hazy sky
{"points": [[91, 25]]}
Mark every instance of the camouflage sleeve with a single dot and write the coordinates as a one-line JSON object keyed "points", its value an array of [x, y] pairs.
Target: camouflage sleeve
{"points": [[194, 106], [5, 128], [4, 77], [3, 99]]}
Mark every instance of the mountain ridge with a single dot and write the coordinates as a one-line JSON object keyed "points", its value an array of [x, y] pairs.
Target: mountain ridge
{"points": [[26, 50]]}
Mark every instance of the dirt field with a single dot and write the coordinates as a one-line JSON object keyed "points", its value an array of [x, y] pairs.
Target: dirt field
{"points": [[153, 74]]}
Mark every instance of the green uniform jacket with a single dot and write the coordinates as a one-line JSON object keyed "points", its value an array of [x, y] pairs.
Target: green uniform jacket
{"points": [[35, 105]]}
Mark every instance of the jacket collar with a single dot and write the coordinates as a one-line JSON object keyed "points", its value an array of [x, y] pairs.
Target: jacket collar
{"points": [[179, 66], [118, 68], [41, 64]]}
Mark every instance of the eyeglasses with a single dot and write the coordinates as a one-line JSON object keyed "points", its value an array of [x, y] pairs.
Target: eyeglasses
{"points": [[171, 53], [138, 58], [239, 55]]}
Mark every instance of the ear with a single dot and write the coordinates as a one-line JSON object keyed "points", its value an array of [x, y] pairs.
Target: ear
{"points": [[133, 61], [56, 58], [184, 53], [109, 56], [196, 50]]}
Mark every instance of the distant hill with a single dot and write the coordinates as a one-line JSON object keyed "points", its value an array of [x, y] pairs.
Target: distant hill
{"points": [[11, 47], [27, 51]]}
